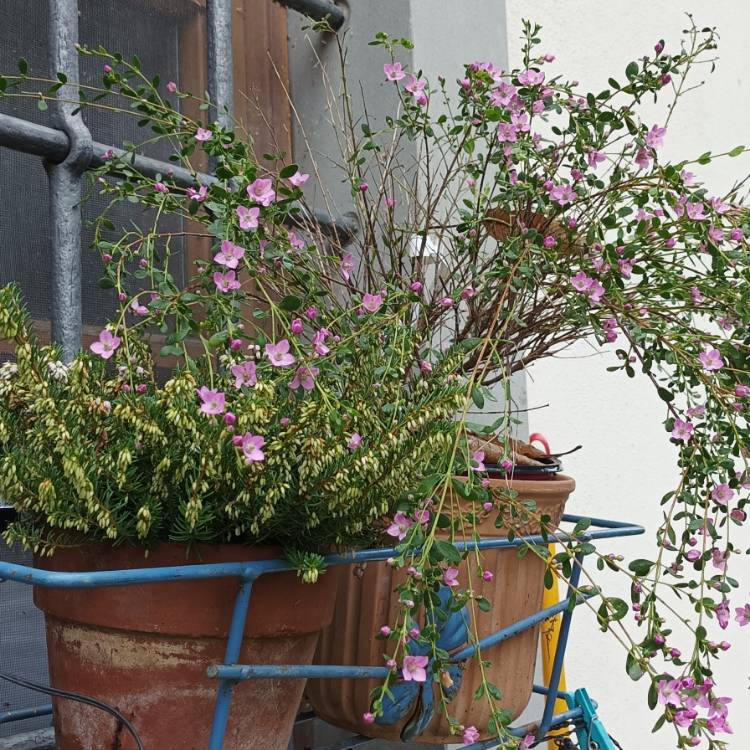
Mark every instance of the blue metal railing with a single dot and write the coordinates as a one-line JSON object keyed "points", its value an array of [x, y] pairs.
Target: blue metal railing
{"points": [[229, 673]]}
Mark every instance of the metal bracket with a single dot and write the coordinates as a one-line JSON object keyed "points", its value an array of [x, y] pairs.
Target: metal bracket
{"points": [[590, 731]]}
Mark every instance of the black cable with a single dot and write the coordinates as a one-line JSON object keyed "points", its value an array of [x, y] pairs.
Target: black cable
{"points": [[615, 742], [35, 686]]}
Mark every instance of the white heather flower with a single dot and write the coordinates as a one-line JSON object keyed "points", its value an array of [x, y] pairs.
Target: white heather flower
{"points": [[58, 370], [8, 370]]}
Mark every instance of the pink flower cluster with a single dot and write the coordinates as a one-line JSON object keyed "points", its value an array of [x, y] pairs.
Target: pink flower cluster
{"points": [[584, 284], [688, 697]]}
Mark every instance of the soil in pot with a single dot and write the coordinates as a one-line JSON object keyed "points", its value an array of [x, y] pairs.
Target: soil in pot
{"points": [[145, 649], [366, 601]]}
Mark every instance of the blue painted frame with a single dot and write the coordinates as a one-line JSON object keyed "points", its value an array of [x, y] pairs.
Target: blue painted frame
{"points": [[581, 707]]}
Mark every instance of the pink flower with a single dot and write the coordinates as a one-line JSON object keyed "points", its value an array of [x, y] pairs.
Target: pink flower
{"points": [[549, 242], [212, 402], [318, 342], [527, 742], [711, 360], [295, 241], [562, 194], [487, 575], [688, 178], [416, 287], [468, 292], [477, 459], [626, 267], [138, 309], [230, 419], [197, 195], [160, 187], [245, 373], [304, 377], [742, 615], [669, 693], [226, 282], [655, 137], [107, 344], [261, 191], [414, 668], [446, 302], [719, 559], [416, 88], [251, 447], [372, 302], [347, 265], [230, 254], [355, 440], [298, 179], [696, 295], [531, 77], [248, 217], [643, 158], [722, 494], [393, 71], [296, 326], [171, 87], [695, 211], [202, 135], [593, 158], [311, 313], [450, 577], [278, 354], [471, 734], [722, 614], [368, 717], [506, 132], [425, 367], [682, 430], [400, 526], [741, 391], [107, 68]]}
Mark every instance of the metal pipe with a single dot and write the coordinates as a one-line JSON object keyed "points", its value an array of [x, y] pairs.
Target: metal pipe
{"points": [[230, 671], [65, 181], [562, 644], [318, 10], [220, 61], [54, 579], [518, 627], [231, 656], [20, 714], [54, 146]]}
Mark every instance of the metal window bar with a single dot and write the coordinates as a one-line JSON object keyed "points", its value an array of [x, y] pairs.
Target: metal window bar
{"points": [[69, 150], [582, 710]]}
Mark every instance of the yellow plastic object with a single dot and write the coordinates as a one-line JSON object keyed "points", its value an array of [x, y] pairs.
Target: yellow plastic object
{"points": [[550, 634]]}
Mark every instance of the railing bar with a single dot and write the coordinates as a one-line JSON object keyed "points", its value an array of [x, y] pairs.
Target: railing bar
{"points": [[318, 10], [220, 61]]}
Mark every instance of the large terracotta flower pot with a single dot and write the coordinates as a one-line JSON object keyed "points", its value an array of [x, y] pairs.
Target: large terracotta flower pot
{"points": [[366, 601], [145, 649]]}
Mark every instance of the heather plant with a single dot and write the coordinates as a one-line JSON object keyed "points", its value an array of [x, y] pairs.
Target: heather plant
{"points": [[318, 385]]}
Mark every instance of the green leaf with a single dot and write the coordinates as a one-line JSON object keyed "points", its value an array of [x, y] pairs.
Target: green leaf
{"points": [[704, 158], [617, 608], [218, 339], [447, 551], [477, 397], [737, 150], [290, 303], [632, 70], [23, 66], [41, 105], [665, 395], [288, 171], [170, 350], [633, 668], [425, 487], [640, 567], [483, 604]]}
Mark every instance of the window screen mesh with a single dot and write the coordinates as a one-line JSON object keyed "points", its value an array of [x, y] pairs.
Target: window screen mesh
{"points": [[150, 29]]}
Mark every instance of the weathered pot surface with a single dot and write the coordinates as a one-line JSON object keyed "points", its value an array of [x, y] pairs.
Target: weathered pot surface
{"points": [[145, 649], [366, 602]]}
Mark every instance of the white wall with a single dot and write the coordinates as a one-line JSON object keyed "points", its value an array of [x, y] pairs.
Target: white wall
{"points": [[627, 463]]}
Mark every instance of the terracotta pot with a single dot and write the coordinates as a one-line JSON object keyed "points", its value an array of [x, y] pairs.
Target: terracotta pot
{"points": [[145, 649], [366, 601]]}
